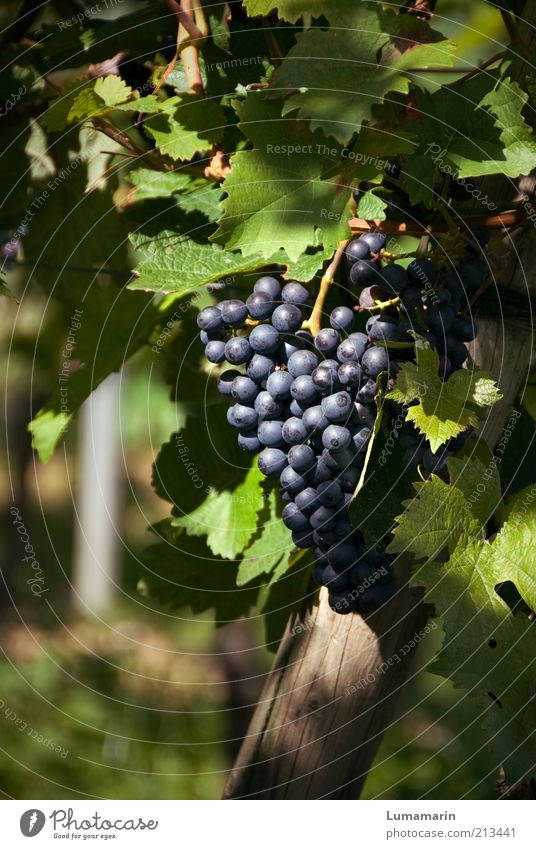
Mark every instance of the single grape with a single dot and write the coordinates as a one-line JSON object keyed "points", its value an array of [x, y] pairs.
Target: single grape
{"points": [[270, 433], [307, 499], [272, 462], [439, 319], [367, 393], [302, 362], [362, 272], [234, 313], [267, 406], [286, 318], [323, 518], [337, 407], [303, 389], [374, 361], [356, 250], [342, 319], [350, 374], [259, 305], [324, 379], [244, 389], [336, 437], [463, 328], [301, 458], [303, 539], [329, 493], [294, 519], [268, 286], [384, 329], [244, 417], [291, 480], [343, 555], [314, 419], [411, 298], [327, 340], [321, 473], [238, 350], [341, 603], [371, 296], [296, 409], [215, 352], [260, 367], [361, 438], [294, 293], [264, 339], [294, 431], [210, 319], [279, 385]]}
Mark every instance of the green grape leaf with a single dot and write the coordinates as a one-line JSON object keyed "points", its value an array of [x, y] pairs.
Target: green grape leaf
{"points": [[448, 516], [490, 135], [371, 207], [227, 519], [87, 104], [200, 460], [335, 75], [290, 10], [287, 192], [271, 546], [171, 263], [444, 409], [487, 650], [185, 125], [108, 328], [181, 571], [112, 89]]}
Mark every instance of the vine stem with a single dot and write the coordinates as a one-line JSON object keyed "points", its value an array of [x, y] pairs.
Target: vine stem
{"points": [[188, 15], [314, 323], [379, 305], [392, 228]]}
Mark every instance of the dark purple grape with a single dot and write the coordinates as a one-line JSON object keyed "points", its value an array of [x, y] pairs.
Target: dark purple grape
{"points": [[422, 272], [272, 462], [324, 379], [215, 352], [267, 406], [375, 240], [295, 293], [291, 480], [269, 286], [294, 519], [329, 493], [301, 458], [336, 437], [303, 389], [210, 319], [327, 340], [342, 319], [314, 419], [307, 499], [270, 433], [264, 339], [294, 431], [286, 318], [356, 250], [374, 361], [259, 305], [464, 328], [238, 350], [260, 367], [234, 313], [350, 374], [279, 384], [337, 407], [302, 362], [244, 389], [363, 272]]}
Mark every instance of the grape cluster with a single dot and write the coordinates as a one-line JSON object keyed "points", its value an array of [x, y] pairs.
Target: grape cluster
{"points": [[307, 405]]}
